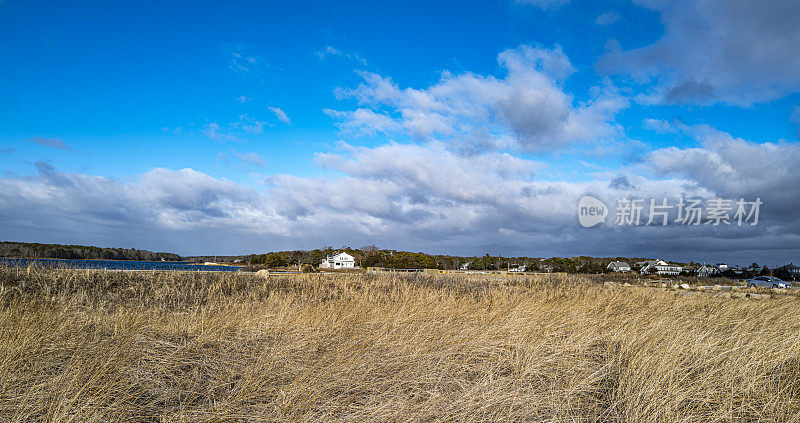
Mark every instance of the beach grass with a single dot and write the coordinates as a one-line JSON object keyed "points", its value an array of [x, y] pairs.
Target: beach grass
{"points": [[92, 345]]}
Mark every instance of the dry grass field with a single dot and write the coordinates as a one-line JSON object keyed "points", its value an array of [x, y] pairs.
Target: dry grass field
{"points": [[88, 346]]}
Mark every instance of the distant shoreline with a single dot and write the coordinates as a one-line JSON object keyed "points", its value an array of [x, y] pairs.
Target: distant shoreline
{"points": [[94, 259], [126, 265]]}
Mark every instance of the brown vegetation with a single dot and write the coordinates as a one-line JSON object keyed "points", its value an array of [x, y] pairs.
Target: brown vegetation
{"points": [[182, 346]]}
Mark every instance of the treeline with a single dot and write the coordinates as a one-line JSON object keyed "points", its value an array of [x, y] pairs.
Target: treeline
{"points": [[79, 252], [372, 256], [752, 271]]}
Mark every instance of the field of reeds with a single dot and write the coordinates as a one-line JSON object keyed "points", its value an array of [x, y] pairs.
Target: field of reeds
{"points": [[87, 345]]}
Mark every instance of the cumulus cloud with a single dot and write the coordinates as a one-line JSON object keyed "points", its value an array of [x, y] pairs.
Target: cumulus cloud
{"points": [[422, 196], [621, 182], [50, 142], [363, 121], [160, 209], [527, 109], [737, 52], [734, 167], [281, 115]]}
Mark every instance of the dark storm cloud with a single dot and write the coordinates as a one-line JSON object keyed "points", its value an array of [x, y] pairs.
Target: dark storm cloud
{"points": [[690, 91], [731, 51]]}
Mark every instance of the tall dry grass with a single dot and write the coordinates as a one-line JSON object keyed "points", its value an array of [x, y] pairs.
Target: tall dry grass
{"points": [[116, 346]]}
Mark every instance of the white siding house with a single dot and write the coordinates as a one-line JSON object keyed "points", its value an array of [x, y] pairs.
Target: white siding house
{"points": [[662, 268], [619, 266], [338, 261]]}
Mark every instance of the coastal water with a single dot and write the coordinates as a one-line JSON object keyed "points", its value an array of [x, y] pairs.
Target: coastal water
{"points": [[115, 264]]}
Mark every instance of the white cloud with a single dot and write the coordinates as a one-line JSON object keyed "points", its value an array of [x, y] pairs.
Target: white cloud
{"points": [[420, 196], [660, 125], [734, 166], [250, 158], [606, 18], [737, 52], [213, 131], [528, 106], [362, 121], [244, 125], [240, 59], [332, 51], [281, 115], [249, 126]]}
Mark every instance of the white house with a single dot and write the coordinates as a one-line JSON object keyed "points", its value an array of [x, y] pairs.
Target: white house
{"points": [[662, 268], [338, 261], [619, 266]]}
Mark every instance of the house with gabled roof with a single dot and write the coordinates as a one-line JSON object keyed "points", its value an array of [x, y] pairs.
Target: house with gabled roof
{"points": [[619, 266], [661, 267], [705, 271]]}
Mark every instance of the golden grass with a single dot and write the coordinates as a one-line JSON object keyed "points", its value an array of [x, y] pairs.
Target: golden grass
{"points": [[119, 346]]}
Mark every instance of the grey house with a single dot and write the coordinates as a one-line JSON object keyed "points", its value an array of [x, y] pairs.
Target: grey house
{"points": [[619, 266]]}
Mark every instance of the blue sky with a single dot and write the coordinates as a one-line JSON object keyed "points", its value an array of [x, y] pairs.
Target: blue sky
{"points": [[263, 110]]}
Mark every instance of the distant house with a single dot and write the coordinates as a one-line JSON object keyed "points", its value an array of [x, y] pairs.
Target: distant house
{"points": [[660, 267], [465, 266], [691, 268], [338, 261], [736, 269], [792, 270], [705, 271], [517, 268], [619, 266]]}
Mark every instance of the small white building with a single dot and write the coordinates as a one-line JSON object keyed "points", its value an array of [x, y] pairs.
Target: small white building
{"points": [[338, 261], [662, 268], [619, 266]]}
